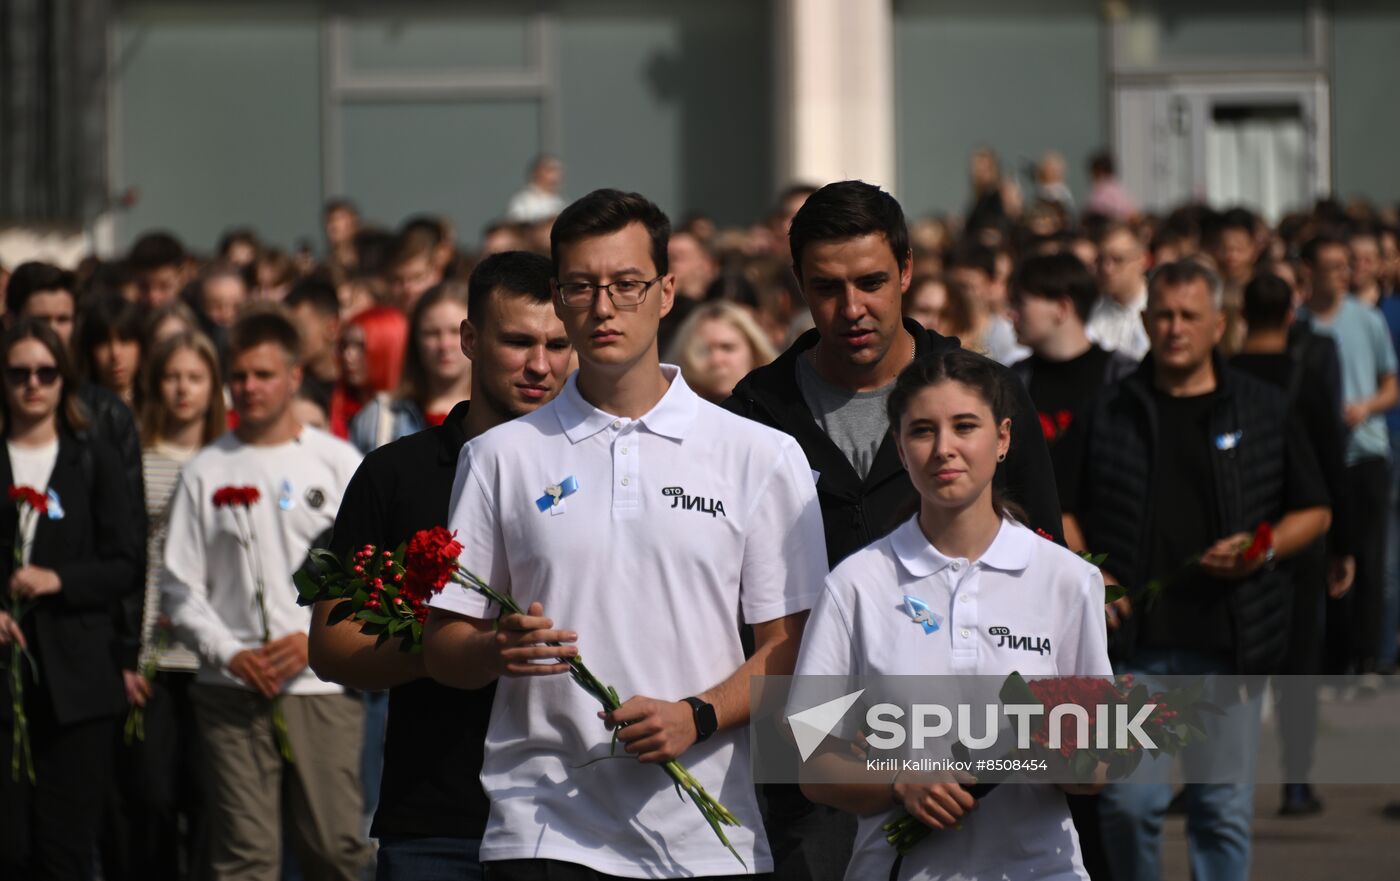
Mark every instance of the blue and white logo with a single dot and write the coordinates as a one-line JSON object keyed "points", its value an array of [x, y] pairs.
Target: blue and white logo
{"points": [[55, 506], [557, 492], [1228, 441], [922, 614]]}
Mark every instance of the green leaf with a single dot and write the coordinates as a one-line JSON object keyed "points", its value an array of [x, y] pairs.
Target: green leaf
{"points": [[1113, 592], [341, 611], [308, 588], [1015, 691], [1083, 766], [372, 616]]}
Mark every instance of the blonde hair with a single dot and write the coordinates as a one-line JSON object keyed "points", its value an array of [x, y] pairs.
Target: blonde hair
{"points": [[154, 417], [685, 350]]}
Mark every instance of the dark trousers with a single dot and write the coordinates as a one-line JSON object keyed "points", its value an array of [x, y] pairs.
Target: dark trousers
{"points": [[554, 870], [49, 830], [1297, 696], [158, 783], [810, 842], [1353, 635]]}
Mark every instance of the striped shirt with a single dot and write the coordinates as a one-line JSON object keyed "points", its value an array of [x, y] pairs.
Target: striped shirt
{"points": [[160, 467]]}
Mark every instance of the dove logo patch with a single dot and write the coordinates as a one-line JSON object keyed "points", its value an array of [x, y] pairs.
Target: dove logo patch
{"points": [[922, 614]]}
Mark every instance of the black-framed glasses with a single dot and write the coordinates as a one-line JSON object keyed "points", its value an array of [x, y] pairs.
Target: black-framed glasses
{"points": [[19, 376], [623, 292]]}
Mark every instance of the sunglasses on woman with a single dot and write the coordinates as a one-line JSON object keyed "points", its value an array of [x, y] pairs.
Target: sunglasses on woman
{"points": [[19, 376]]}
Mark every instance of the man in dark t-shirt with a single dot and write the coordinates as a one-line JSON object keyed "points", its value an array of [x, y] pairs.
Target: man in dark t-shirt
{"points": [[1169, 473], [1051, 296], [430, 820]]}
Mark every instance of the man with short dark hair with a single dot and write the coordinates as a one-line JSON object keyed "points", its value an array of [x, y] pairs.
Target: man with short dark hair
{"points": [[1183, 460], [1369, 388], [973, 266], [314, 305], [158, 261], [651, 523], [413, 268], [1051, 297], [851, 254], [431, 825], [1268, 356], [233, 602]]}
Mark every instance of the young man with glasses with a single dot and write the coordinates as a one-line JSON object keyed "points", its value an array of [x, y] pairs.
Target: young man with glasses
{"points": [[650, 523]]}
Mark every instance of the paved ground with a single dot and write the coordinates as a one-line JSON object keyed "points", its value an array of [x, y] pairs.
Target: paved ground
{"points": [[1349, 841]]}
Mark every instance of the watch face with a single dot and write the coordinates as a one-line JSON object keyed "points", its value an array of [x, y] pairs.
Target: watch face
{"points": [[707, 721]]}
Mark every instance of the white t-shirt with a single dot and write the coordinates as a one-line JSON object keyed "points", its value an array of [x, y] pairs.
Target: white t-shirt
{"points": [[684, 522], [1024, 583], [32, 467], [1118, 327], [207, 584]]}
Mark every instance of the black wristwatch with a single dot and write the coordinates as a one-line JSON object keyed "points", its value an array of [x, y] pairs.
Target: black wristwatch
{"points": [[706, 722]]}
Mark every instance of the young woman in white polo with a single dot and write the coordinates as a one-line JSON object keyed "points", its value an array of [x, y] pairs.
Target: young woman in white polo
{"points": [[939, 595]]}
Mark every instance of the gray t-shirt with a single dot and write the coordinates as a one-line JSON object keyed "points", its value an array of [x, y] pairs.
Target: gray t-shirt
{"points": [[855, 421]]}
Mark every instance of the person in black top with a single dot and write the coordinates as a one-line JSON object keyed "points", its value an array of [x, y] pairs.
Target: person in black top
{"points": [[78, 560], [1051, 297], [851, 254], [1268, 355], [430, 820], [1184, 459]]}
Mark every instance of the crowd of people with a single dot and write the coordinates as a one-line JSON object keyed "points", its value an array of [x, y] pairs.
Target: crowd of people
{"points": [[867, 409]]}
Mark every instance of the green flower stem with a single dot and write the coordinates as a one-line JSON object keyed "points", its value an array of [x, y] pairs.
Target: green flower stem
{"points": [[279, 722], [715, 813]]}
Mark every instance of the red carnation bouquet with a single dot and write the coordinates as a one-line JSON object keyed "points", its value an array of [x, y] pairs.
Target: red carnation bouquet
{"points": [[1175, 722], [240, 500], [388, 592], [30, 505], [1254, 548]]}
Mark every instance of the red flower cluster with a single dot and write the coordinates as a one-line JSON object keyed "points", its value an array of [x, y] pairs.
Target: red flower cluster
{"points": [[1261, 543], [1085, 691], [243, 496], [429, 562], [28, 495], [1043, 534]]}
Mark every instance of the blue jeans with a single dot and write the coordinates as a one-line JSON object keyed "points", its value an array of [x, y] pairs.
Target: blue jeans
{"points": [[372, 753], [1389, 650], [404, 858], [1218, 815]]}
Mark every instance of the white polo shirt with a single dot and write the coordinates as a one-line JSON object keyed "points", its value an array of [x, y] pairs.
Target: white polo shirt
{"points": [[683, 523], [1046, 606]]}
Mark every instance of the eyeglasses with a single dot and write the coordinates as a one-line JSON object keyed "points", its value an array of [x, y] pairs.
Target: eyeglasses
{"points": [[19, 376], [623, 292]]}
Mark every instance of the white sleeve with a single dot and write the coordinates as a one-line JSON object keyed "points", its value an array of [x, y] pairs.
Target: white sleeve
{"points": [[184, 586], [472, 515], [784, 546], [826, 662], [1085, 652]]}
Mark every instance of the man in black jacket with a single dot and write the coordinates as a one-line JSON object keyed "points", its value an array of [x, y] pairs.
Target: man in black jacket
{"points": [[1187, 457], [851, 253]]}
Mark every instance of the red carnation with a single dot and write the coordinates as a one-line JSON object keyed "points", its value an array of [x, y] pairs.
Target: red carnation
{"points": [[1262, 542], [28, 495], [242, 496], [429, 562]]}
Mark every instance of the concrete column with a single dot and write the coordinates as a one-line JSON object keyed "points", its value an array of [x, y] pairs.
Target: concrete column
{"points": [[835, 83]]}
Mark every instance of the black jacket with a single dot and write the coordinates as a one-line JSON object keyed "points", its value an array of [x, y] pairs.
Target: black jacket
{"points": [[1118, 476], [110, 420], [856, 512], [96, 549]]}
